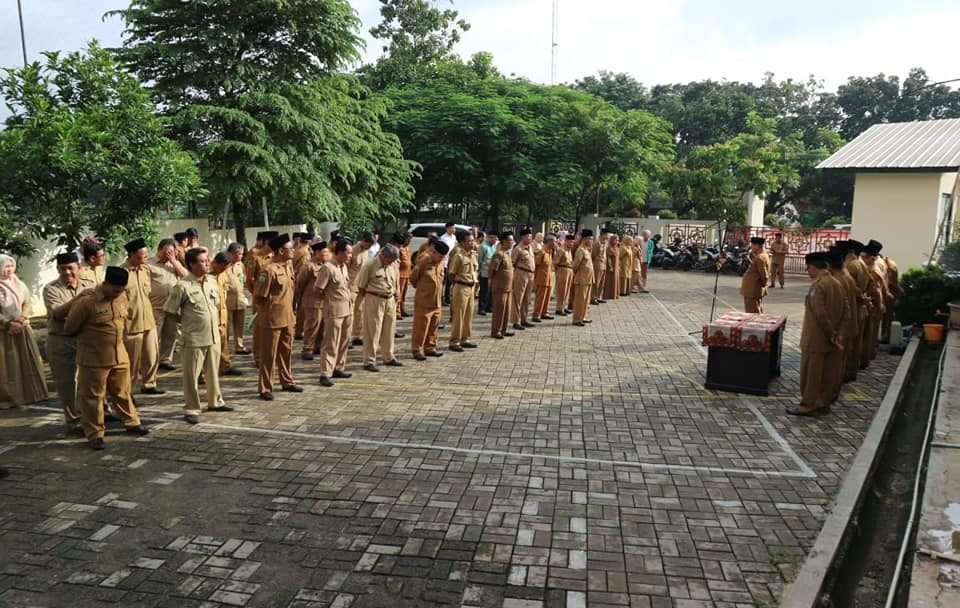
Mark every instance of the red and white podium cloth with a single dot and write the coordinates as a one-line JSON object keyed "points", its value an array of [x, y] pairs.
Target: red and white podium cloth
{"points": [[743, 331]]}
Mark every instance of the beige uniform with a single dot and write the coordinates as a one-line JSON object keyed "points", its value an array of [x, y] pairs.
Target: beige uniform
{"points": [[333, 287], [753, 286], [583, 283], [162, 278], [823, 318], [92, 274], [301, 255], [311, 305], [543, 282], [463, 271], [103, 366], [353, 269], [427, 279], [598, 257], [778, 252], [197, 303], [564, 264], [379, 285], [524, 265], [236, 304], [223, 315], [274, 292], [500, 273], [62, 347], [141, 339]]}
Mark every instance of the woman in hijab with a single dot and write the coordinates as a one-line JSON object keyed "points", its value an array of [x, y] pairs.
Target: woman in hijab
{"points": [[21, 370], [627, 258]]}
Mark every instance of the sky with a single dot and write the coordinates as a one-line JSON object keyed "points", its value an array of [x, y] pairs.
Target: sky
{"points": [[657, 42]]}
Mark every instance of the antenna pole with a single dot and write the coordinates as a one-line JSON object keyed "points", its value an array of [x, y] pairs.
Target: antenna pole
{"points": [[553, 42]]}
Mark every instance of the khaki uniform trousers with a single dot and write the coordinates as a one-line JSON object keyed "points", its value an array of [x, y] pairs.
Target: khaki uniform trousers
{"points": [[816, 380], [298, 330], [276, 346], [871, 337], [777, 271], [256, 338], [564, 285], [886, 321], [851, 352], [336, 341], [93, 384], [379, 327], [225, 361], [541, 306], [237, 320], [753, 305], [425, 327], [143, 350], [167, 330], [311, 330], [357, 325], [600, 281], [522, 286], [581, 302], [402, 290], [198, 359], [461, 313], [62, 355], [502, 305], [643, 274]]}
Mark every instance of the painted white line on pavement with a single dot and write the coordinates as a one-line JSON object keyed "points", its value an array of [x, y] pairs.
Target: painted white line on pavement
{"points": [[784, 445], [690, 337]]}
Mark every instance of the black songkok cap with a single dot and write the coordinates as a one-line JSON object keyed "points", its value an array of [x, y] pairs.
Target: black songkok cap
{"points": [[277, 242], [301, 235], [67, 258], [525, 232], [270, 234], [116, 276], [399, 239], [441, 247], [835, 257], [506, 235], [135, 245], [192, 232], [91, 249], [815, 257], [319, 245], [586, 233], [180, 236], [872, 248], [758, 240], [222, 258], [854, 246], [841, 246], [261, 236]]}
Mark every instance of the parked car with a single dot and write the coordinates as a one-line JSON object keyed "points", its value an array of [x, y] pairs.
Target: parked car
{"points": [[419, 233]]}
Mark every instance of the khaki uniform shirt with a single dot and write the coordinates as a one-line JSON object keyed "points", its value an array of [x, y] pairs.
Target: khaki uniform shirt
{"points": [[198, 305], [224, 279], [543, 273], [824, 312], [779, 251], [757, 276], [851, 296], [333, 286], [93, 274], [162, 278], [463, 268], [140, 316], [56, 294], [99, 324], [427, 279], [598, 254], [355, 266], [522, 258], [500, 272], [563, 259], [378, 279], [583, 267], [405, 265], [300, 257], [275, 286], [255, 264], [306, 281], [236, 298]]}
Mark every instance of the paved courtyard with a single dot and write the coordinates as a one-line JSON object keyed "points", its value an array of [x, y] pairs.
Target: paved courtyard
{"points": [[562, 467]]}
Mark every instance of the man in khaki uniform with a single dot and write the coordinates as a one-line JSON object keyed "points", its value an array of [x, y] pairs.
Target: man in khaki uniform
{"points": [[195, 303], [404, 266], [463, 270], [778, 252], [564, 264], [334, 289], [181, 239], [858, 270], [301, 254], [820, 344], [165, 272], [890, 297], [103, 367], [257, 261], [543, 279], [753, 286], [500, 275], [93, 267], [225, 280], [524, 265], [59, 297], [583, 278], [378, 284], [274, 297], [598, 257], [847, 370], [427, 279], [877, 299], [310, 301], [360, 257], [237, 298], [141, 337]]}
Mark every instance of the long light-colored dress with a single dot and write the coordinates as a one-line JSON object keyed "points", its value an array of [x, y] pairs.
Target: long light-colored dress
{"points": [[22, 379]]}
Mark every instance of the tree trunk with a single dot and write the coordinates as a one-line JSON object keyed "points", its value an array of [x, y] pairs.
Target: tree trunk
{"points": [[240, 223]]}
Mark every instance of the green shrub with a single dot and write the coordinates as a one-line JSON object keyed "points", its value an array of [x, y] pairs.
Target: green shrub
{"points": [[925, 291], [667, 214]]}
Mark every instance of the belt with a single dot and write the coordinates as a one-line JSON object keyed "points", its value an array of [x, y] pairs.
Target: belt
{"points": [[464, 283], [563, 266], [380, 295], [524, 269]]}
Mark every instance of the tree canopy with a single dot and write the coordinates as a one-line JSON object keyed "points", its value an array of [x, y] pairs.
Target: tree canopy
{"points": [[83, 150]]}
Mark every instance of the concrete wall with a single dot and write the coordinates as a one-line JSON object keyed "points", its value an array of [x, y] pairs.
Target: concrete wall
{"points": [[900, 211], [39, 269]]}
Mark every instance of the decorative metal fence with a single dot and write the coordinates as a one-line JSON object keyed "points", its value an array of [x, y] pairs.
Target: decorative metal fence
{"points": [[799, 242]]}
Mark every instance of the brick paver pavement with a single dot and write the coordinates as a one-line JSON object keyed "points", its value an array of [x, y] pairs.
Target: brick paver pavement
{"points": [[562, 467]]}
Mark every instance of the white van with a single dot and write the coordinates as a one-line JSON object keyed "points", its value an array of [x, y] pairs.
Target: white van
{"points": [[419, 233]]}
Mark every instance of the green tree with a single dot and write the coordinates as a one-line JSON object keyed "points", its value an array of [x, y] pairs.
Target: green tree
{"points": [[253, 88], [416, 35], [84, 150], [622, 90]]}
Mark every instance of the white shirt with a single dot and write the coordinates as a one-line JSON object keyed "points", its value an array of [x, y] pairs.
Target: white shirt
{"points": [[374, 250], [450, 240]]}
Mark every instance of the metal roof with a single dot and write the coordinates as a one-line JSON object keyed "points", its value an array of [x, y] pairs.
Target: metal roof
{"points": [[927, 144]]}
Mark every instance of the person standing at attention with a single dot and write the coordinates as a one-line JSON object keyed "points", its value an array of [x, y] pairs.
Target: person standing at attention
{"points": [[274, 297], [753, 286], [427, 279], [778, 251], [463, 274]]}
